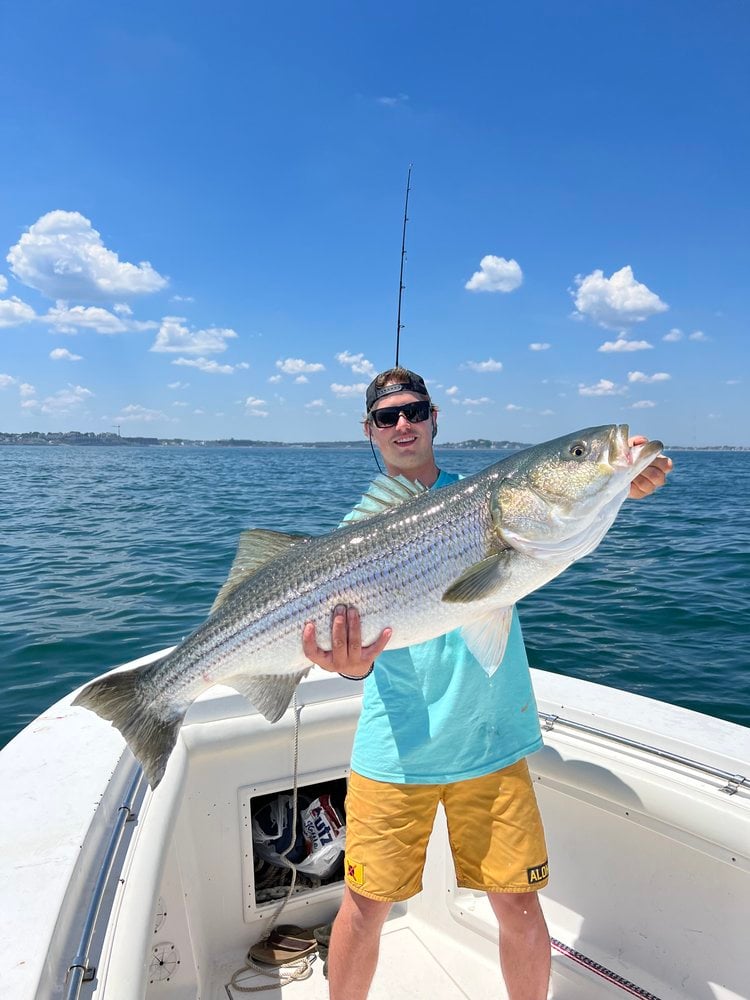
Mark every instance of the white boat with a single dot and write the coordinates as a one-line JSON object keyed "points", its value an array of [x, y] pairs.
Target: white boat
{"points": [[114, 892]]}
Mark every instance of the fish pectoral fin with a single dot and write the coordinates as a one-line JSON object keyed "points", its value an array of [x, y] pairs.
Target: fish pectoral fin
{"points": [[478, 581], [257, 546], [269, 693], [487, 638], [384, 493]]}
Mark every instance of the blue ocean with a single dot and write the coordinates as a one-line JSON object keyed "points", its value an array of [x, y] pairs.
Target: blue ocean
{"points": [[110, 553]]}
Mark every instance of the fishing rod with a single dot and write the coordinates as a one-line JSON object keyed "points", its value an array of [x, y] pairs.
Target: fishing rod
{"points": [[401, 286]]}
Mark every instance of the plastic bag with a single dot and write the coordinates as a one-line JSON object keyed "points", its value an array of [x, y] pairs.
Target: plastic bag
{"points": [[318, 839]]}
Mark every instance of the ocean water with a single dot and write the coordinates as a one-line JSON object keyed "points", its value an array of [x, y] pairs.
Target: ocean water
{"points": [[110, 553]]}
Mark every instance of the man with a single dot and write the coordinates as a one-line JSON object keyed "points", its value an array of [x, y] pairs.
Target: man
{"points": [[435, 728]]}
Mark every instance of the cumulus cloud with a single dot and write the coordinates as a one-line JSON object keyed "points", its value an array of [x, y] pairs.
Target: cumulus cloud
{"points": [[63, 257], [135, 413], [392, 102], [66, 400], [70, 319], [178, 385], [211, 367], [615, 302], [63, 354], [604, 387], [495, 274], [7, 380], [348, 391], [490, 365], [673, 336], [480, 401], [698, 335], [643, 404], [642, 377], [3, 283], [296, 366], [452, 391], [622, 344], [358, 363], [275, 378], [539, 347], [511, 407], [176, 338], [254, 407], [301, 380], [315, 404], [14, 312]]}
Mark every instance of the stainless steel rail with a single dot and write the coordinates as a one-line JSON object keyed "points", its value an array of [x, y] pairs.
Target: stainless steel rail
{"points": [[78, 970], [734, 781]]}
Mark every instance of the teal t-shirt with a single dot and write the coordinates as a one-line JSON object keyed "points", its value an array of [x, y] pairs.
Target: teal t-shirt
{"points": [[431, 715]]}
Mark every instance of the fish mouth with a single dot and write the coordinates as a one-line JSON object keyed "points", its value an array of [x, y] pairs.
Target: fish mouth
{"points": [[630, 458]]}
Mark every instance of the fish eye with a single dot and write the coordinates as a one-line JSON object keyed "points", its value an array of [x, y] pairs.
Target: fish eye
{"points": [[578, 449]]}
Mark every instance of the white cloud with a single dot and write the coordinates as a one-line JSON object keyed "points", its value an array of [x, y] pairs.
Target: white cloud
{"points": [[348, 391], [65, 319], [643, 404], [315, 404], [452, 391], [296, 366], [511, 407], [122, 309], [733, 381], [481, 401], [63, 257], [621, 344], [3, 283], [698, 335], [546, 413], [539, 347], [180, 402], [673, 336], [7, 380], [66, 400], [615, 302], [174, 338], [642, 377], [392, 102], [275, 378], [63, 354], [604, 387], [253, 407], [135, 413], [358, 363], [301, 379], [490, 365], [495, 274], [26, 389], [182, 298], [211, 367], [14, 312], [178, 385]]}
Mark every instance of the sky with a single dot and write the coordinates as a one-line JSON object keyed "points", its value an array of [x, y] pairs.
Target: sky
{"points": [[201, 215]]}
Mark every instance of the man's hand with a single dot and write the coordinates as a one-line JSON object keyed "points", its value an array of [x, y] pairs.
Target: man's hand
{"points": [[347, 654], [653, 476]]}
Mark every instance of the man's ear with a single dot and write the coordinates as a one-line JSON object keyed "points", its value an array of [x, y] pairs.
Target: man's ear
{"points": [[367, 429]]}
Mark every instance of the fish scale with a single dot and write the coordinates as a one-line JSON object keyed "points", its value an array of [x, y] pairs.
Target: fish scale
{"points": [[422, 563]]}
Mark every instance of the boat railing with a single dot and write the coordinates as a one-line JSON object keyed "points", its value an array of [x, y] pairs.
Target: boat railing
{"points": [[733, 781]]}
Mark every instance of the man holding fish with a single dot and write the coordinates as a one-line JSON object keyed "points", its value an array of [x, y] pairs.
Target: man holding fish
{"points": [[438, 725]]}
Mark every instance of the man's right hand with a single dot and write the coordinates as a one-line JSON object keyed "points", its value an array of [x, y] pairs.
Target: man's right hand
{"points": [[347, 655]]}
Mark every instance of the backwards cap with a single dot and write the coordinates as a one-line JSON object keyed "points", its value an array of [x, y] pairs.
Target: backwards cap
{"points": [[414, 383]]}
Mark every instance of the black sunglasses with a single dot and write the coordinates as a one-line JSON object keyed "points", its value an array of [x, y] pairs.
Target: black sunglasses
{"points": [[415, 413]]}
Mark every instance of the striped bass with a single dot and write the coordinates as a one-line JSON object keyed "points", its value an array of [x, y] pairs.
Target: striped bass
{"points": [[422, 563]]}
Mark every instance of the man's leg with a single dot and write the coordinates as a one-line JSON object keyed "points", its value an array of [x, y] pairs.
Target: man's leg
{"points": [[355, 944], [524, 944]]}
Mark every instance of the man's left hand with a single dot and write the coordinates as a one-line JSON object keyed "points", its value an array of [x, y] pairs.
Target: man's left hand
{"points": [[653, 476]]}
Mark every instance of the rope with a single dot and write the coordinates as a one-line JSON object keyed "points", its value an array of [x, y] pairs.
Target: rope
{"points": [[296, 968]]}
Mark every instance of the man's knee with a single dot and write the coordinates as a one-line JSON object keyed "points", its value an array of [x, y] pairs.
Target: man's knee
{"points": [[367, 913], [516, 911]]}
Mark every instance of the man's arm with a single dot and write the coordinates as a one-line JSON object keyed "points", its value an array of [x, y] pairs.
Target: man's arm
{"points": [[347, 655], [653, 476]]}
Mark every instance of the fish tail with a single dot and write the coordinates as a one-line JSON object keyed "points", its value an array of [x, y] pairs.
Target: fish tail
{"points": [[120, 699]]}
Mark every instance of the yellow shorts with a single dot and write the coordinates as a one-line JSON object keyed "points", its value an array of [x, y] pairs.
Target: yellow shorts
{"points": [[494, 826]]}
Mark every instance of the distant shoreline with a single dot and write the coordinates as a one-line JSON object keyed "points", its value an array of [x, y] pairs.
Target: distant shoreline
{"points": [[90, 439]]}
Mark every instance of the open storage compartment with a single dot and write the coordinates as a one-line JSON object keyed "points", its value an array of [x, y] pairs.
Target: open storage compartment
{"points": [[318, 849]]}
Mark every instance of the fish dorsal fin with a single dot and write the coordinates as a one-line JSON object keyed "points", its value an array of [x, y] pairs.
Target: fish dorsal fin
{"points": [[270, 694], [256, 547], [487, 638], [385, 492], [478, 581]]}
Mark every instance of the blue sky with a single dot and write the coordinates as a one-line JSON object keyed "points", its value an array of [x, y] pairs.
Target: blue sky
{"points": [[200, 221]]}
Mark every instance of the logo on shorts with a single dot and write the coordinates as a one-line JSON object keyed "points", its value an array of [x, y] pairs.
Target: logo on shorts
{"points": [[355, 872], [538, 874]]}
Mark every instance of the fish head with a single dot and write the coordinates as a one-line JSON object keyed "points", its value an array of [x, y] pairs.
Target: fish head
{"points": [[562, 496]]}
